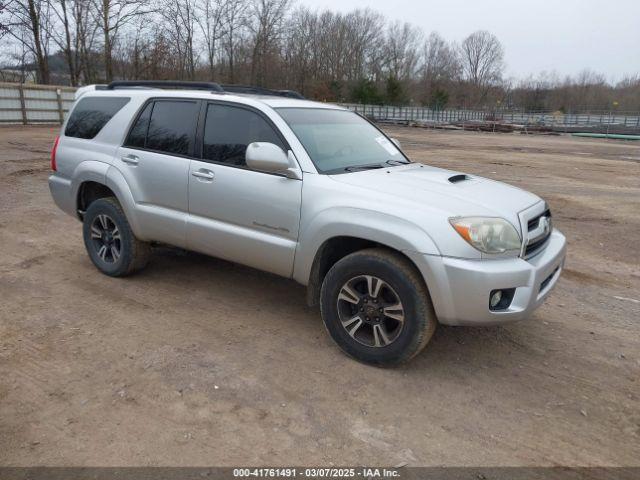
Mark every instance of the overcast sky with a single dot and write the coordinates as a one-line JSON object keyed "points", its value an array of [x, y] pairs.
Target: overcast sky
{"points": [[565, 36]]}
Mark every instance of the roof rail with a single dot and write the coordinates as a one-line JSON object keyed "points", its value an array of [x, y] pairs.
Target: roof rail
{"points": [[252, 90], [211, 86]]}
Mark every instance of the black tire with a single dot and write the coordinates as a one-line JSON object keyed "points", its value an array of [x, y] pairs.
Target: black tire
{"points": [[403, 281], [133, 254]]}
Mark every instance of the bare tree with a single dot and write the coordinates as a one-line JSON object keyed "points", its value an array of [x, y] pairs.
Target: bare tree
{"points": [[440, 61], [333, 44], [365, 43], [210, 18], [235, 17], [482, 58], [19, 57], [63, 37], [86, 32], [300, 52], [112, 16], [27, 22], [357, 55], [129, 54], [180, 18], [267, 19], [627, 93], [439, 71], [401, 47]]}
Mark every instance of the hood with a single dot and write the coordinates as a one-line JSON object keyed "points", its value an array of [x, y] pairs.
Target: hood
{"points": [[453, 193]]}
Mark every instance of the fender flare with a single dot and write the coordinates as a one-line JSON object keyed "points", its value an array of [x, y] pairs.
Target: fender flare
{"points": [[384, 229], [109, 176], [87, 171], [117, 183]]}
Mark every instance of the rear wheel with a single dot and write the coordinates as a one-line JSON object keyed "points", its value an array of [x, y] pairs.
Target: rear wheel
{"points": [[109, 240], [376, 307]]}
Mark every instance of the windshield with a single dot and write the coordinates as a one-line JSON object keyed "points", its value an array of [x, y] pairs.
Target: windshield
{"points": [[341, 141]]}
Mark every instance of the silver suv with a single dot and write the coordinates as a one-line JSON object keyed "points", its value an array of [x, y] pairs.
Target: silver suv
{"points": [[310, 191]]}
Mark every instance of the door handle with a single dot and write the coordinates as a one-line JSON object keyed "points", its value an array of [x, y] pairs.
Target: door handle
{"points": [[130, 159], [203, 174]]}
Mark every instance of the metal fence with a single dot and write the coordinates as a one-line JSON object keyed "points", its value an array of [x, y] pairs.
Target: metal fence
{"points": [[570, 122], [27, 103], [31, 104]]}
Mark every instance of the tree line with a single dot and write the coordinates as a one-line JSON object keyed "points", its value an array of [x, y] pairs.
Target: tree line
{"points": [[356, 56]]}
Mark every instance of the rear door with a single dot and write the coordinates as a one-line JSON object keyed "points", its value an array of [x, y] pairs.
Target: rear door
{"points": [[236, 213], [155, 163]]}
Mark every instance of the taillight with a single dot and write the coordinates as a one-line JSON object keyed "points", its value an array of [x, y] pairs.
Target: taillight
{"points": [[54, 167]]}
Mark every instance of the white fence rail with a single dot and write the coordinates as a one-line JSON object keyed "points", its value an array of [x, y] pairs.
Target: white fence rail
{"points": [[29, 103]]}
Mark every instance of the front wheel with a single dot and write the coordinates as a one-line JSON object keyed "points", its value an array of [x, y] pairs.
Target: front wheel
{"points": [[376, 307], [110, 242]]}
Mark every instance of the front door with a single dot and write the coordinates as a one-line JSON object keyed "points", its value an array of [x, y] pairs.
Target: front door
{"points": [[236, 213]]}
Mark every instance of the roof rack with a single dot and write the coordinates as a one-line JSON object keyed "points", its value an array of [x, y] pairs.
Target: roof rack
{"points": [[211, 86], [252, 90]]}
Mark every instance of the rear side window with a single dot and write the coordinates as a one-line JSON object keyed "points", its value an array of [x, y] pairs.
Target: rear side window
{"points": [[92, 114], [228, 130], [138, 134], [172, 127]]}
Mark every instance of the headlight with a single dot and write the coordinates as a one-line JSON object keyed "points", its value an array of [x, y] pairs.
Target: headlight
{"points": [[489, 235]]}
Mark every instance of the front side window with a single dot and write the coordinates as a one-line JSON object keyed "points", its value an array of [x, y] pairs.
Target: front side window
{"points": [[92, 114], [340, 140], [229, 130], [172, 126]]}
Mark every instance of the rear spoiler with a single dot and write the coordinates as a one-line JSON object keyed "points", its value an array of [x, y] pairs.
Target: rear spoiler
{"points": [[89, 88]]}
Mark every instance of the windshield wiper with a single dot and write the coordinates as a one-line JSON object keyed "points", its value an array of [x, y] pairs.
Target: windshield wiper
{"points": [[397, 162], [356, 168], [373, 166]]}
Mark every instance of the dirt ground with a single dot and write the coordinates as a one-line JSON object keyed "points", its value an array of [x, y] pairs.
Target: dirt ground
{"points": [[196, 361]]}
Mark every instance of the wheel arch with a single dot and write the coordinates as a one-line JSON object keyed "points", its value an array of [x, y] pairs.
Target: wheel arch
{"points": [[87, 174], [375, 227], [93, 182], [336, 248], [88, 192]]}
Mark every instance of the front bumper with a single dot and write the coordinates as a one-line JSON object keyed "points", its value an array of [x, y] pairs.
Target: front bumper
{"points": [[460, 288]]}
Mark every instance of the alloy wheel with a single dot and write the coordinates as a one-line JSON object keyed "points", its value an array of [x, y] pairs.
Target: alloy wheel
{"points": [[370, 311], [105, 238]]}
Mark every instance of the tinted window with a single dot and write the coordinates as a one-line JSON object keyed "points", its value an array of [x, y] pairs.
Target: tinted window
{"points": [[172, 126], [138, 133], [91, 114], [228, 131]]}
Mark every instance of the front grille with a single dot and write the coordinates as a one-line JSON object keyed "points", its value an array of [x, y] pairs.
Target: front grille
{"points": [[536, 240], [533, 223], [534, 247]]}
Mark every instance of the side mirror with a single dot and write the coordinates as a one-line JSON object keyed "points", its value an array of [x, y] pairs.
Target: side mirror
{"points": [[266, 157], [395, 142]]}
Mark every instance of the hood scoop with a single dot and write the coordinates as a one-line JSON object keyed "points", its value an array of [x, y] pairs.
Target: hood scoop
{"points": [[459, 178]]}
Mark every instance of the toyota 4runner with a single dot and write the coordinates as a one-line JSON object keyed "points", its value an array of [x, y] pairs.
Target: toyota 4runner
{"points": [[310, 191]]}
